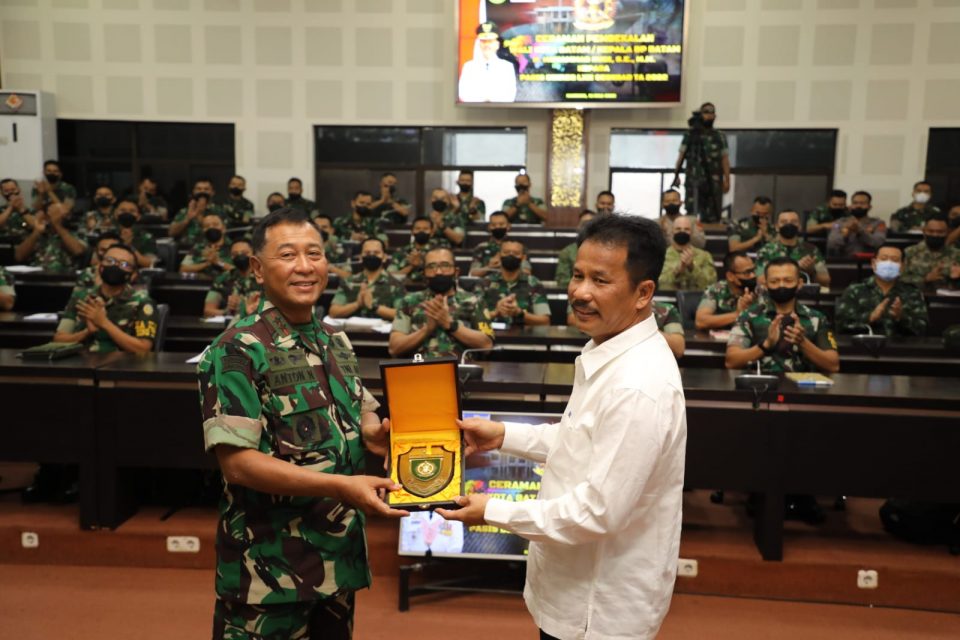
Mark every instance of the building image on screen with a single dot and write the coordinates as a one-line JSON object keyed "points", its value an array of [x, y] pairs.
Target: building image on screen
{"points": [[570, 52]]}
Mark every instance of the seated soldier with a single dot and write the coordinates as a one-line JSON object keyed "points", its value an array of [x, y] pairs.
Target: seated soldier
{"points": [[407, 261], [447, 223], [372, 293], [525, 208], [361, 223], [127, 215], [237, 210], [468, 206], [8, 294], [234, 292], [857, 232], [685, 267], [50, 244], [953, 223], [568, 255], [186, 224], [725, 300], [781, 333], [822, 218], [275, 201], [511, 296], [486, 256], [100, 218], [920, 209], [388, 207], [113, 316], [442, 320], [883, 301], [90, 276], [152, 204], [338, 260], [931, 264], [670, 203], [211, 256], [15, 213], [787, 243], [750, 233]]}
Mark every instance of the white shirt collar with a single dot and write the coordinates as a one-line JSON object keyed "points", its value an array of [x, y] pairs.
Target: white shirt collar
{"points": [[595, 356]]}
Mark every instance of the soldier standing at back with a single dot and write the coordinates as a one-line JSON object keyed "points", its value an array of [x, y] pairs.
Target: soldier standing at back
{"points": [[708, 166]]}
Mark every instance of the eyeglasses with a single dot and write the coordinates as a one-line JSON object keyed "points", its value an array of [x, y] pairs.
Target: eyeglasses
{"points": [[433, 266], [113, 262]]}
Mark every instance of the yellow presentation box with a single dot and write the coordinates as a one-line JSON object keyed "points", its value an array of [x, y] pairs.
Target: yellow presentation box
{"points": [[426, 446]]}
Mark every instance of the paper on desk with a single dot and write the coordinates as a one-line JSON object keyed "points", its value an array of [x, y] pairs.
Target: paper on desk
{"points": [[197, 358], [955, 293], [41, 317], [498, 326], [23, 268], [217, 319], [359, 324]]}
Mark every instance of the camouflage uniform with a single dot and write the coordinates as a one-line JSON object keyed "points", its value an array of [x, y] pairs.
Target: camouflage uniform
{"points": [[565, 262], [907, 218], [698, 238], [470, 208], [861, 298], [529, 292], [524, 214], [387, 291], [819, 215], [334, 615], [465, 307], [776, 249], [719, 298], [159, 206], [292, 393], [193, 234], [87, 278], [872, 234], [753, 324], [668, 317], [705, 175], [50, 253], [388, 215], [233, 282], [16, 227], [64, 191], [698, 277], [6, 283], [345, 226], [919, 260], [237, 213], [96, 221], [483, 253], [309, 207], [747, 228], [400, 261], [196, 257], [452, 220], [336, 253], [132, 310]]}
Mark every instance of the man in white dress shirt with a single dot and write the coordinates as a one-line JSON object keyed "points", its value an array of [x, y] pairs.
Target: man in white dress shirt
{"points": [[487, 78], [605, 528]]}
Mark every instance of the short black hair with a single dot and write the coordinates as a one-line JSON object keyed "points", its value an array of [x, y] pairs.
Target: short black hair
{"points": [[863, 193], [838, 193], [514, 241], [325, 216], [109, 234], [783, 211], [387, 174], [669, 191], [204, 179], [466, 172], [920, 182], [730, 258], [890, 245], [295, 179], [131, 201], [128, 249], [6, 180], [499, 213], [237, 176], [762, 200], [283, 215], [707, 104], [937, 217], [361, 192], [47, 163], [103, 186], [418, 218], [780, 262], [643, 238], [383, 245], [277, 194], [241, 240], [606, 192]]}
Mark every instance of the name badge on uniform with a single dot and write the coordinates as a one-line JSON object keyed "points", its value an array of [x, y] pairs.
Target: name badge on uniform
{"points": [[286, 368], [344, 355]]}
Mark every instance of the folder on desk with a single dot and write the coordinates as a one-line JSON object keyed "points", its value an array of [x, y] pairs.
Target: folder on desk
{"points": [[810, 379], [52, 351]]}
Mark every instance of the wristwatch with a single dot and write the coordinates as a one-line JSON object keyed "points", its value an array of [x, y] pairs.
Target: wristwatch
{"points": [[454, 325], [766, 351]]}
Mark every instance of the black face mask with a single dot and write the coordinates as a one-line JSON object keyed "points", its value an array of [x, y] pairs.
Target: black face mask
{"points": [[439, 206], [858, 213], [393, 190], [671, 209], [954, 223], [708, 124], [126, 220], [273, 207], [103, 201], [501, 232], [294, 196], [935, 243], [756, 220], [465, 188], [52, 178], [201, 196], [521, 188], [748, 284], [510, 263], [324, 234], [789, 231], [363, 211], [371, 263], [114, 275], [213, 235], [681, 237], [241, 262], [236, 191], [782, 294], [421, 237], [838, 213], [441, 283]]}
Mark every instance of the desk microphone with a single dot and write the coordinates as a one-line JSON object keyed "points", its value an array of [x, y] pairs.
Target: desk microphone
{"points": [[473, 371], [872, 342]]}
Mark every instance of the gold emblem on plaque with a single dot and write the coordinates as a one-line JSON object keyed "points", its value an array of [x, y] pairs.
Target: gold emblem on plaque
{"points": [[424, 471]]}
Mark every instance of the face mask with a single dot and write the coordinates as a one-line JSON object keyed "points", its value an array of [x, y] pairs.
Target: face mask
{"points": [[671, 209], [294, 196], [510, 263], [440, 284], [103, 201], [393, 190], [465, 188], [273, 207], [708, 124], [858, 213], [213, 235], [521, 188], [421, 237], [126, 220], [114, 275], [501, 232], [371, 263], [789, 231], [756, 220], [439, 206], [954, 222], [921, 198], [782, 294], [838, 213], [681, 237], [236, 191], [935, 243], [52, 178], [363, 211], [887, 270], [324, 235], [748, 284], [241, 262]]}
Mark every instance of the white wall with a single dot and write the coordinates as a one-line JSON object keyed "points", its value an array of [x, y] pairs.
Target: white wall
{"points": [[882, 71]]}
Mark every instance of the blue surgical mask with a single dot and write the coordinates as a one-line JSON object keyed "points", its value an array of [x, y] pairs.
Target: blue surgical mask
{"points": [[887, 270]]}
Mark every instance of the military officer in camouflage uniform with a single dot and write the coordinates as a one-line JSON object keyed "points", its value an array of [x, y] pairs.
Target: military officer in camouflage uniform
{"points": [[912, 216], [295, 199], [338, 258], [90, 276], [237, 210], [442, 320], [568, 255], [361, 223], [211, 257], [708, 167], [407, 261], [447, 222], [884, 302], [469, 207], [152, 204], [953, 223], [8, 294], [127, 215], [750, 233], [52, 189], [49, 244], [821, 219], [372, 293], [388, 207], [15, 214], [286, 413], [670, 203], [524, 208], [512, 296], [931, 264], [234, 292], [725, 300], [781, 333], [685, 267], [857, 232], [788, 243], [186, 224], [100, 218], [113, 316], [486, 256]]}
